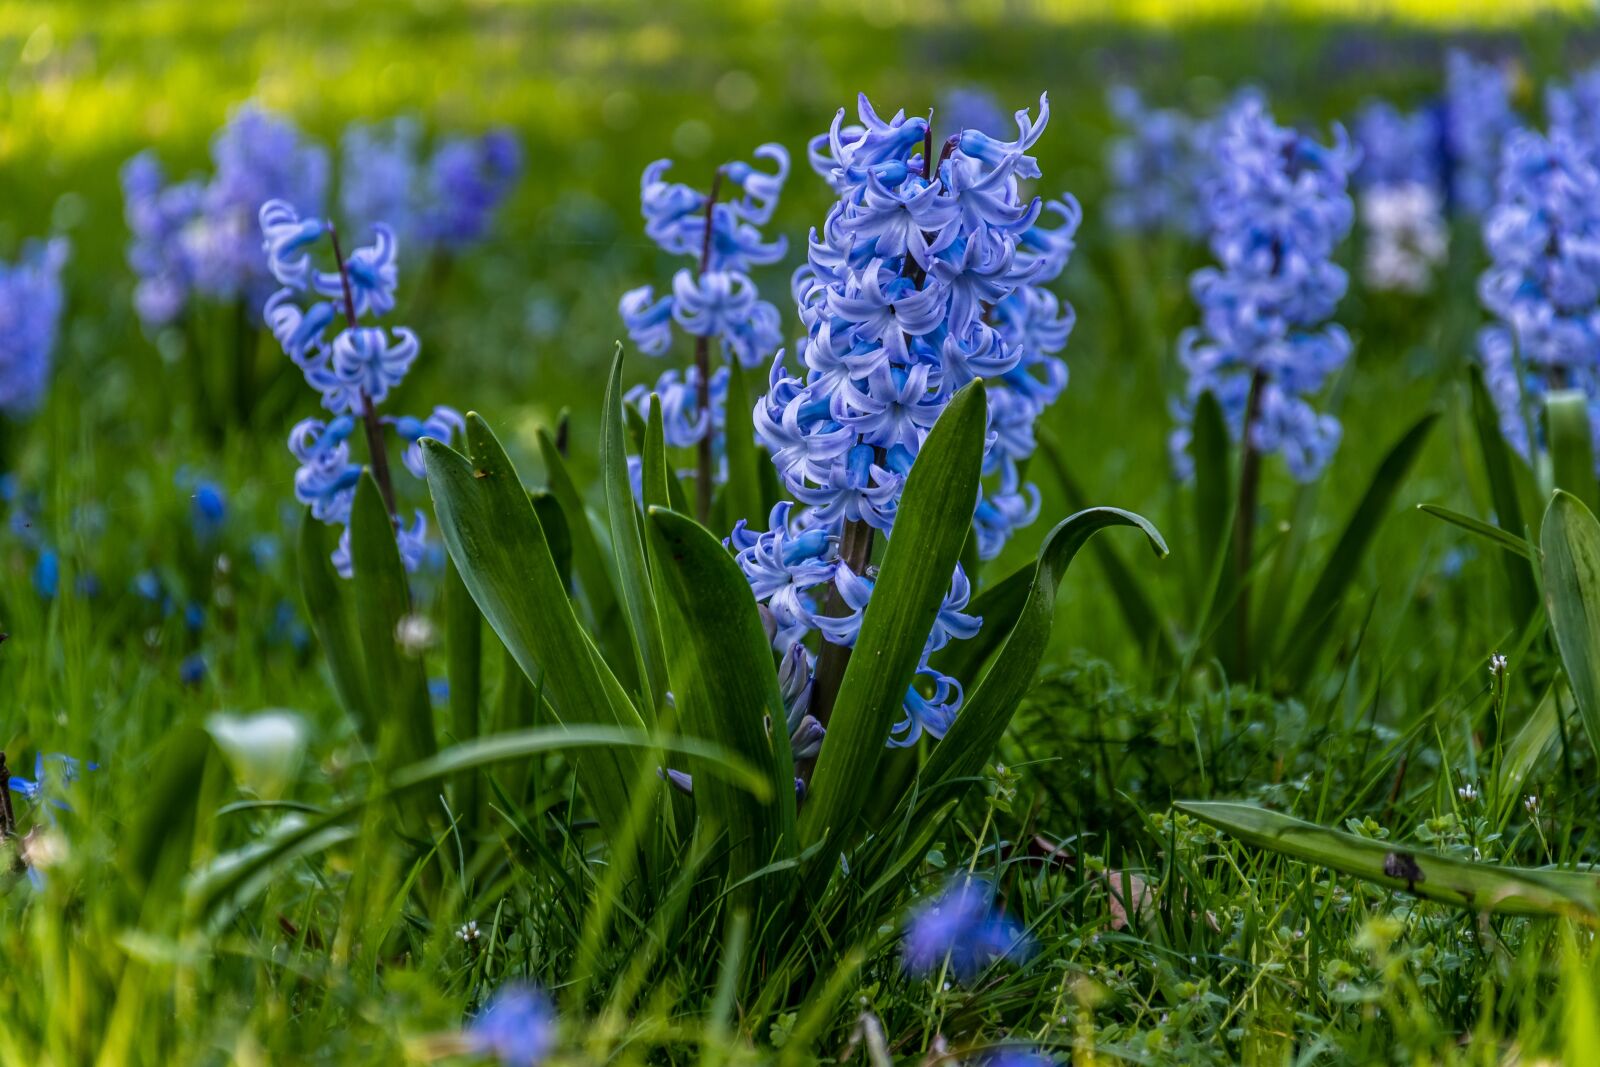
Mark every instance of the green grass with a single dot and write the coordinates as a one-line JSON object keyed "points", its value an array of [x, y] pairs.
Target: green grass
{"points": [[351, 954]]}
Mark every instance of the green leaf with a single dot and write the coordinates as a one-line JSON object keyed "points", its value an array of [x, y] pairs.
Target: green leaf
{"points": [[1479, 886], [742, 495], [1501, 466], [382, 593], [934, 516], [464, 669], [721, 662], [654, 472], [330, 621], [234, 875], [1537, 735], [180, 786], [1570, 544], [556, 530], [589, 559], [971, 740], [497, 543], [1313, 626], [1144, 621], [1566, 414], [1478, 528], [627, 549]]}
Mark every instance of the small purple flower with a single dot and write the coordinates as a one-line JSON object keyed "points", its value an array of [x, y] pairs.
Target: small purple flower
{"points": [[961, 925], [31, 301], [518, 1028]]}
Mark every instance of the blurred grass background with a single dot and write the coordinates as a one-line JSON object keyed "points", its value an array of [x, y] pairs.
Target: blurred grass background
{"points": [[596, 90]]}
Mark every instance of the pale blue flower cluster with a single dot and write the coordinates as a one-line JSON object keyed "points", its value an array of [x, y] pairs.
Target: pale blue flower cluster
{"points": [[197, 237], [1478, 116], [1277, 208], [1543, 284], [446, 201], [1156, 167], [716, 299], [684, 424], [354, 371], [518, 1028], [928, 274], [31, 300]]}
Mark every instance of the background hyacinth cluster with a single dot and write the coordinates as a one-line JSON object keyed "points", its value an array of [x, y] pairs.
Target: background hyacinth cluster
{"points": [[354, 371], [197, 237], [1278, 207], [31, 301]]}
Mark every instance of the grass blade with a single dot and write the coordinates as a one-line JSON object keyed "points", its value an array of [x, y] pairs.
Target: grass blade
{"points": [[1478, 528], [1570, 544], [1311, 630], [1501, 466], [1566, 416], [627, 549], [1479, 886], [742, 495], [330, 621]]}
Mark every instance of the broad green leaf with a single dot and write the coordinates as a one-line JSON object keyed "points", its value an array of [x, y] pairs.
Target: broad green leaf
{"points": [[1571, 441], [556, 530], [1537, 736], [1570, 544], [1478, 528], [1478, 886], [969, 744], [627, 549], [381, 590], [720, 662], [1313, 626], [1502, 467], [497, 543], [934, 515], [1144, 621], [589, 561], [330, 621], [742, 495]]}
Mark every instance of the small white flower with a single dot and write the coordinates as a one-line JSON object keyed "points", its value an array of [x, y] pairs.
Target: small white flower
{"points": [[468, 932], [1530, 804], [1497, 664], [1468, 793], [415, 634]]}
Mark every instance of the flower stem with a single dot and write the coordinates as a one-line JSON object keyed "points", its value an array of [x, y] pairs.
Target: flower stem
{"points": [[8, 818], [702, 363], [1244, 524], [855, 550], [369, 414]]}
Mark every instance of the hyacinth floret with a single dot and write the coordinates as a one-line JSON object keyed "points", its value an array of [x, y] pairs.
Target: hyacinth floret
{"points": [[1156, 167], [1278, 207], [1543, 283], [1401, 185], [354, 371]]}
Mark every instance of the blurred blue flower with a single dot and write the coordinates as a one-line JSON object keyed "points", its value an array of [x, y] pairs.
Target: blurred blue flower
{"points": [[1278, 208], [192, 670], [1543, 282], [518, 1028], [467, 180], [53, 772], [31, 300], [47, 574], [1477, 118], [1398, 147], [379, 175], [1156, 166], [962, 925]]}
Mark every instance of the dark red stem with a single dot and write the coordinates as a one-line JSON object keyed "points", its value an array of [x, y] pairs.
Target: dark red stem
{"points": [[369, 415]]}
